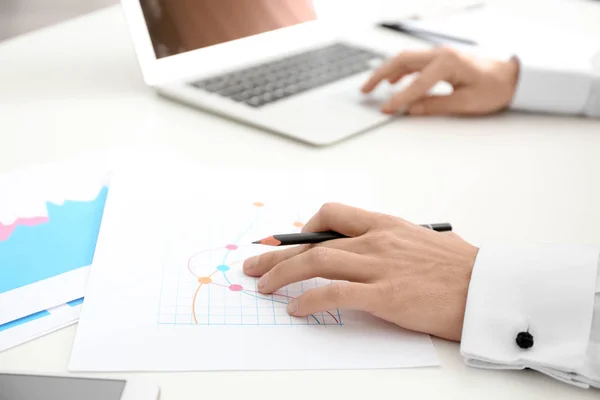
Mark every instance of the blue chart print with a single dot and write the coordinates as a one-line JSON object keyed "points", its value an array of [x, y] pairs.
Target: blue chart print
{"points": [[39, 248], [210, 288]]}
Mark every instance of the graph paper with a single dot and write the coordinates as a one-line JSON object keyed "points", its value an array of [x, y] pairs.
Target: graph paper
{"points": [[206, 286]]}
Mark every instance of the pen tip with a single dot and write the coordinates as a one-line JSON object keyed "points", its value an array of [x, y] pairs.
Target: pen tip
{"points": [[256, 242]]}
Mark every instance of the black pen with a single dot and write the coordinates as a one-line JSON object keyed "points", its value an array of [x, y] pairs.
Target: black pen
{"points": [[288, 239], [423, 33]]}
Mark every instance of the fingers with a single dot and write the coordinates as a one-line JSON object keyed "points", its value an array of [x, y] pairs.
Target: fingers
{"points": [[261, 264], [457, 103], [355, 296], [319, 262], [347, 220], [394, 78], [402, 64], [438, 70]]}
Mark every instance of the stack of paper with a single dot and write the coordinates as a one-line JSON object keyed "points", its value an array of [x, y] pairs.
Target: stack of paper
{"points": [[49, 221]]}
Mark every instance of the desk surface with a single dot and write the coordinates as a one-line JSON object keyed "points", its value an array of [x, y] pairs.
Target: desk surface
{"points": [[76, 88]]}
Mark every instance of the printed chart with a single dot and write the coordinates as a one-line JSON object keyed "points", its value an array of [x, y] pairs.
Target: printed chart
{"points": [[37, 248], [168, 291], [208, 287], [50, 217]]}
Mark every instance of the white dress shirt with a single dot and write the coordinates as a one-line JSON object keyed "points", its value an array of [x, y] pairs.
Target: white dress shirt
{"points": [[549, 89], [551, 292]]}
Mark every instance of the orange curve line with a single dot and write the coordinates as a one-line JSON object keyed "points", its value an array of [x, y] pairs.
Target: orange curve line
{"points": [[194, 303]]}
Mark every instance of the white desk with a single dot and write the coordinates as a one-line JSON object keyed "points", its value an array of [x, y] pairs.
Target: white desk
{"points": [[76, 88]]}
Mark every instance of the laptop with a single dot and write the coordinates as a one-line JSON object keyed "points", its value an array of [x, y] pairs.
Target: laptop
{"points": [[280, 65]]}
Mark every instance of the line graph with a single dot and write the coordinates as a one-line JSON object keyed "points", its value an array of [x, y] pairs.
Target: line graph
{"points": [[210, 287], [33, 249]]}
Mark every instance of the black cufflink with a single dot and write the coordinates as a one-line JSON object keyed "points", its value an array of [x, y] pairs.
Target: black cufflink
{"points": [[524, 340]]}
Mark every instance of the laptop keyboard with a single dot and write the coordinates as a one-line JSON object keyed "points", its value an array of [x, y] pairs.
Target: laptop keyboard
{"points": [[276, 80]]}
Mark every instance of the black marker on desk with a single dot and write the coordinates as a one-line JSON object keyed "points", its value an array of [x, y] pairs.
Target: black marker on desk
{"points": [[288, 239]]}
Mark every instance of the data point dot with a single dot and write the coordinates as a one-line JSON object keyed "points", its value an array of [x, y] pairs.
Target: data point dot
{"points": [[231, 247], [236, 288], [223, 268], [205, 280]]}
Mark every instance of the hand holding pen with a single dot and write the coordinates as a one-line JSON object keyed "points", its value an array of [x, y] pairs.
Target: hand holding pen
{"points": [[407, 274]]}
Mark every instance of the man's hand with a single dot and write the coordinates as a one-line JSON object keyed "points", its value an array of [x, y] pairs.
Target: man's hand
{"points": [[480, 86], [412, 276]]}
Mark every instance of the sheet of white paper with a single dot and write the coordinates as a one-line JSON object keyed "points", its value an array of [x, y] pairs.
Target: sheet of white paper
{"points": [[49, 221], [43, 322], [167, 292]]}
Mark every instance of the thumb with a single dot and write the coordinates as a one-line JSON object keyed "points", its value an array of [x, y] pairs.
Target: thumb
{"points": [[455, 103]]}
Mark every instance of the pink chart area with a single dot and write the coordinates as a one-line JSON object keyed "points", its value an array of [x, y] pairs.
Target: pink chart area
{"points": [[7, 230]]}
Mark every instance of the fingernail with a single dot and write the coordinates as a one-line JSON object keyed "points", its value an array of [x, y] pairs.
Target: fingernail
{"points": [[292, 306], [251, 263], [417, 109], [262, 282], [387, 109]]}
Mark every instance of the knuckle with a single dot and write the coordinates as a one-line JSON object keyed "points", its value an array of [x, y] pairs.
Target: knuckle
{"points": [[328, 208], [447, 52], [336, 292], [399, 56], [272, 260], [408, 53], [388, 220], [448, 59], [261, 261], [268, 258], [276, 271], [387, 290], [378, 238], [303, 248], [319, 254]]}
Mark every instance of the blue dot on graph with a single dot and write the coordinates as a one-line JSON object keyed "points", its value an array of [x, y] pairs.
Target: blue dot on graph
{"points": [[223, 268]]}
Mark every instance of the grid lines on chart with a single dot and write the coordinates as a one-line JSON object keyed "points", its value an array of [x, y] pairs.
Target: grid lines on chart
{"points": [[212, 290]]}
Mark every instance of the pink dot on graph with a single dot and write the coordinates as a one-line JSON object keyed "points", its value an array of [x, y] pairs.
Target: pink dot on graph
{"points": [[236, 288], [231, 247]]}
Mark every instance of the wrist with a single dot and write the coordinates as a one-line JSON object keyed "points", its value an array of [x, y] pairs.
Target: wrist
{"points": [[510, 75], [467, 263]]}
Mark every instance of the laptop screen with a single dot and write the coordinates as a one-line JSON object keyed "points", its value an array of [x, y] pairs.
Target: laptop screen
{"points": [[178, 26]]}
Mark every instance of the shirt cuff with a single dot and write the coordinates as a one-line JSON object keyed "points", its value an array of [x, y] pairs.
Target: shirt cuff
{"points": [[545, 290], [541, 88]]}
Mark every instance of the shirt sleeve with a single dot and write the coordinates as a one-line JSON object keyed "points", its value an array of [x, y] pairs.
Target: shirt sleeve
{"points": [[552, 88], [551, 292]]}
